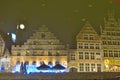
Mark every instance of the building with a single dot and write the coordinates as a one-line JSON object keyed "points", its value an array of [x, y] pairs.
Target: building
{"points": [[89, 56], [110, 36], [2, 44], [94, 53], [41, 47]]}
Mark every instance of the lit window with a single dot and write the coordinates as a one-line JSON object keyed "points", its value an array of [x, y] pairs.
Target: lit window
{"points": [[87, 67], [72, 56], [91, 46], [80, 55], [86, 46], [80, 45], [92, 55], [105, 53], [116, 53], [86, 55], [92, 67], [91, 37], [81, 67], [110, 53], [97, 46], [99, 67], [104, 42]]}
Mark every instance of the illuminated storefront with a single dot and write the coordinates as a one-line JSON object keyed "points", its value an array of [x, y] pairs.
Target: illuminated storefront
{"points": [[112, 65]]}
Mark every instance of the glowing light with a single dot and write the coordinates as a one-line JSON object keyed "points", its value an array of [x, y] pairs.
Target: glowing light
{"points": [[33, 69], [106, 66], [16, 68], [22, 26], [8, 33], [13, 37]]}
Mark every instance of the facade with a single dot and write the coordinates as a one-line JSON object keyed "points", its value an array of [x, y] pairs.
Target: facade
{"points": [[89, 50], [2, 44], [72, 61], [94, 53], [110, 36], [41, 47]]}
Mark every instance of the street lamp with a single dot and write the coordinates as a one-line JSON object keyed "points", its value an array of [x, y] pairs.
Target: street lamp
{"points": [[22, 26]]}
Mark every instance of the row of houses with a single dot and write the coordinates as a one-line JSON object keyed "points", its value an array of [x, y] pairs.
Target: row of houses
{"points": [[94, 52]]}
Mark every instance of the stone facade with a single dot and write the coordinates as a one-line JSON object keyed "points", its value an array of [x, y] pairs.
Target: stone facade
{"points": [[42, 46], [110, 36], [94, 52], [89, 51]]}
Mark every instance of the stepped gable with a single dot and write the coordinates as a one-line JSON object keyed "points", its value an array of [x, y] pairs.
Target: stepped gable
{"points": [[87, 29], [44, 39]]}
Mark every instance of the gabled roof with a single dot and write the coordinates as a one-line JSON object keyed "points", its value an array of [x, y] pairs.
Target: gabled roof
{"points": [[87, 29]]}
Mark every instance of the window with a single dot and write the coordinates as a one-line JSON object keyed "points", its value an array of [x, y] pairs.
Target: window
{"points": [[119, 53], [98, 67], [116, 54], [97, 53], [104, 42], [92, 56], [72, 56], [81, 67], [110, 53], [97, 46], [86, 55], [87, 67], [92, 67], [91, 37], [80, 45], [49, 53], [109, 43], [85, 37], [91, 46], [80, 55], [105, 53], [86, 46], [98, 56]]}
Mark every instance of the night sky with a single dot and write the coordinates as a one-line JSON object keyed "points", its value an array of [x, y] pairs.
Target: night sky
{"points": [[64, 18]]}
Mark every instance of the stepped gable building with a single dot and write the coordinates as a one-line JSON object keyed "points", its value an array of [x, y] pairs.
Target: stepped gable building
{"points": [[110, 36], [41, 47], [89, 50]]}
